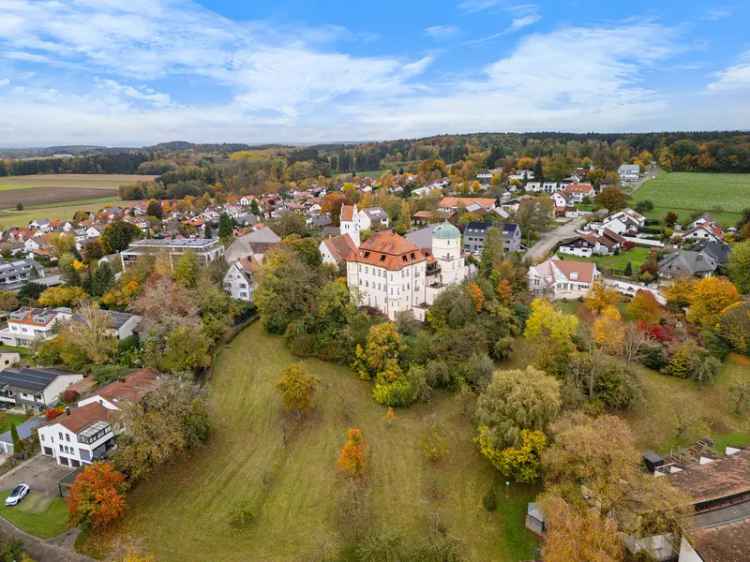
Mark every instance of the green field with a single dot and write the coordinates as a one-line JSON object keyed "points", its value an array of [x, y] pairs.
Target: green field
{"points": [[39, 515], [636, 256], [82, 181], [722, 195], [183, 513], [63, 211]]}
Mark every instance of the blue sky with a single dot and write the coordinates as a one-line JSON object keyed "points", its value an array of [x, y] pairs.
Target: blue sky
{"points": [[142, 71]]}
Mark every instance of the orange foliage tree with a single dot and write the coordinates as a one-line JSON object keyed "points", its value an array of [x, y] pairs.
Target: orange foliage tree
{"points": [[710, 296], [476, 294], [645, 307], [97, 497], [352, 456]]}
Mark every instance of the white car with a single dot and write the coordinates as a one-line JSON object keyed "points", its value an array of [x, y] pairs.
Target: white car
{"points": [[18, 493]]}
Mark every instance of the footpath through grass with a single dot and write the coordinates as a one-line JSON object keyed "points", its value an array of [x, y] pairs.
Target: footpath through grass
{"points": [[38, 515], [685, 193], [293, 490]]}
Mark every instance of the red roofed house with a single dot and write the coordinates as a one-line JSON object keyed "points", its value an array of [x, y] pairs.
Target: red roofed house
{"points": [[349, 222], [130, 389], [579, 191], [562, 279], [337, 249], [79, 436], [453, 204]]}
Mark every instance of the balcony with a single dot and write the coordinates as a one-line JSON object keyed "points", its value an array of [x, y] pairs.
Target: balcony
{"points": [[94, 433]]}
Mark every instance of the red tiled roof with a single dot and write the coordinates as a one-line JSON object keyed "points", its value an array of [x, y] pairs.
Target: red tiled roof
{"points": [[584, 269], [347, 212], [133, 387], [579, 188], [457, 202], [388, 250], [81, 418], [341, 247]]}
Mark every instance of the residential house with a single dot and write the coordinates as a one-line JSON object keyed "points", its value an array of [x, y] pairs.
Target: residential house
{"points": [[687, 263], [25, 431], [450, 205], [79, 436], [373, 217], [562, 279], [625, 223], [15, 273], [206, 250], [120, 325], [534, 186], [239, 280], [27, 325], [561, 204], [255, 244], [577, 192], [34, 388], [551, 187], [132, 388], [337, 249], [704, 231], [476, 232], [629, 172], [350, 223], [589, 244]]}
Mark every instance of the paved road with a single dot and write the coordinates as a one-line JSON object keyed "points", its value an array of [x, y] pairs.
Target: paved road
{"points": [[550, 239], [650, 173]]}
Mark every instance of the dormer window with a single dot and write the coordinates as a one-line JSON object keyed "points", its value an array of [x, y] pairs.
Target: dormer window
{"points": [[574, 276]]}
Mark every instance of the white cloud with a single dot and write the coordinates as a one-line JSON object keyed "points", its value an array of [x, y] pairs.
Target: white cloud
{"points": [[524, 21], [441, 31], [734, 78], [474, 6]]}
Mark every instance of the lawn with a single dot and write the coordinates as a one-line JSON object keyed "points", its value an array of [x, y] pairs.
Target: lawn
{"points": [[82, 181], [676, 412], [7, 420], [63, 211], [39, 515], [291, 483], [722, 195], [636, 256]]}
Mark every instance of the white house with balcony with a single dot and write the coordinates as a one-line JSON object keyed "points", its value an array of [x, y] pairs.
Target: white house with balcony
{"points": [[562, 279], [79, 436], [27, 325]]}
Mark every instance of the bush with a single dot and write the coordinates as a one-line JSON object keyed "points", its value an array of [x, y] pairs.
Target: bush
{"points": [[489, 501], [653, 356], [690, 361], [434, 444], [242, 516], [70, 396]]}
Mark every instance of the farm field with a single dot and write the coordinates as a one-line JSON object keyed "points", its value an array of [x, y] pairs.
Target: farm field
{"points": [[183, 513], [722, 195], [79, 181], [63, 210]]}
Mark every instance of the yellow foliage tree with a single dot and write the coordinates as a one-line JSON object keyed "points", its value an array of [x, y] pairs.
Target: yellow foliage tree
{"points": [[609, 331], [710, 296], [62, 296], [644, 307], [551, 331], [600, 297]]}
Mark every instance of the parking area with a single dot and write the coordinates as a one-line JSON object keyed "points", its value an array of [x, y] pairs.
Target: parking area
{"points": [[41, 473]]}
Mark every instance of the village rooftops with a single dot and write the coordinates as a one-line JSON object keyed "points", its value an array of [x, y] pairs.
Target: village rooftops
{"points": [[179, 243], [132, 388], [78, 419], [723, 543], [721, 479], [37, 316]]}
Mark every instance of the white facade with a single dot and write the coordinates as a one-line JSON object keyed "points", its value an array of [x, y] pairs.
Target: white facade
{"points": [[25, 326], [238, 283], [76, 449], [559, 279], [391, 292], [349, 223]]}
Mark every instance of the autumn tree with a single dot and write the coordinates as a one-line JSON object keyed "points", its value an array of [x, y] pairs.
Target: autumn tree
{"points": [[62, 296], [90, 330], [118, 235], [492, 251], [734, 326], [611, 198], [645, 307], [551, 333], [609, 331], [352, 459], [297, 388], [8, 301], [601, 297], [679, 293], [476, 294], [166, 423], [578, 535], [739, 266], [512, 414], [710, 296], [187, 269], [97, 497]]}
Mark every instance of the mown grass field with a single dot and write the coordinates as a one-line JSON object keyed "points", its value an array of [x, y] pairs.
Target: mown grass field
{"points": [[82, 181], [39, 515], [7, 420], [184, 512], [722, 195], [63, 211], [636, 256]]}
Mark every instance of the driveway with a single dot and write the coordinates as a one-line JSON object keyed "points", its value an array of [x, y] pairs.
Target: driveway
{"points": [[41, 473], [552, 238]]}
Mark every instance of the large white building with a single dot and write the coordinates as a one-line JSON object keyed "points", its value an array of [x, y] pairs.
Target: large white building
{"points": [[27, 325], [393, 275]]}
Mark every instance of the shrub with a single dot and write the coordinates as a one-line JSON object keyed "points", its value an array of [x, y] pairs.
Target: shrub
{"points": [[70, 396], [690, 361], [52, 413], [434, 444], [653, 356], [242, 516], [489, 501]]}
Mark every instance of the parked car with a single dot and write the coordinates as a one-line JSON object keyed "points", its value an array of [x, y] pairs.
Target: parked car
{"points": [[18, 493]]}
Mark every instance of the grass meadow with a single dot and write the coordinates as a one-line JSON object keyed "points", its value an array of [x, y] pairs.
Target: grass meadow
{"points": [[685, 193], [290, 482]]}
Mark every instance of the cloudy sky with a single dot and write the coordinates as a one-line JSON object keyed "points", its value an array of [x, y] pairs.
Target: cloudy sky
{"points": [[137, 72]]}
